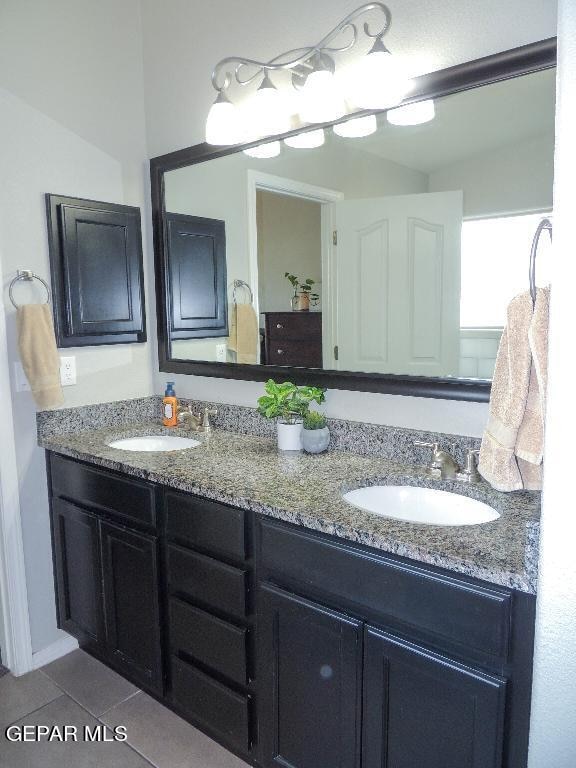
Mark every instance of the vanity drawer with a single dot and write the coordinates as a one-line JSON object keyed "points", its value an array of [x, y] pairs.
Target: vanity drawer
{"points": [[209, 703], [122, 497], [443, 608], [300, 353], [209, 640], [207, 581], [294, 325], [205, 524]]}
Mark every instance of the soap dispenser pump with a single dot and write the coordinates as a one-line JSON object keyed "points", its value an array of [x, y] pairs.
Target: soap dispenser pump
{"points": [[170, 406]]}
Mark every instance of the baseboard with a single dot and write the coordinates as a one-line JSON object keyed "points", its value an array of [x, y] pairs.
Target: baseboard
{"points": [[55, 651]]}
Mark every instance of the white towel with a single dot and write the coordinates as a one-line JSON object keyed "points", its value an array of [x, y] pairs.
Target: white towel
{"points": [[512, 449]]}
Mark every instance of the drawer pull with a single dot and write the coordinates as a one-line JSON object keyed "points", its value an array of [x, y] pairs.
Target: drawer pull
{"points": [[279, 325]]}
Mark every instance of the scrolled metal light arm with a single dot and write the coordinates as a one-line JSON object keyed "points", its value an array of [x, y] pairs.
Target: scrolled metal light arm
{"points": [[232, 66]]}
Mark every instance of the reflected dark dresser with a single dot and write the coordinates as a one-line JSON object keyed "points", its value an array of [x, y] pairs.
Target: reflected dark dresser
{"points": [[293, 338]]}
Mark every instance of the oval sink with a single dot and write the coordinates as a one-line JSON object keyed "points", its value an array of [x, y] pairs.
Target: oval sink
{"points": [[154, 443], [421, 505]]}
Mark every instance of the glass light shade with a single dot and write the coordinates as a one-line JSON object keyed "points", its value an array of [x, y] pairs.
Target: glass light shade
{"points": [[377, 81], [356, 128], [308, 140], [412, 114], [223, 124], [266, 112], [264, 151], [321, 100]]}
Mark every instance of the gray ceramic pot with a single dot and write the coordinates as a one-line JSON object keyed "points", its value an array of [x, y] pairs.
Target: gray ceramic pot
{"points": [[315, 440]]}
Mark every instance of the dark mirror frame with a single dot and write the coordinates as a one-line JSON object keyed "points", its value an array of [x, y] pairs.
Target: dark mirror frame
{"points": [[472, 74]]}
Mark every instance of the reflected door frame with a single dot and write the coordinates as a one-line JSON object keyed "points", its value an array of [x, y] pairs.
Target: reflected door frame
{"points": [[258, 181]]}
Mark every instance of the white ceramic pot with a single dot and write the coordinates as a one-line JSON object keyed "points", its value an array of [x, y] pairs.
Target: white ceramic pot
{"points": [[289, 436]]}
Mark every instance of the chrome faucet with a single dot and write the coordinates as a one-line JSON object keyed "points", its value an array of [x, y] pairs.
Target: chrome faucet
{"points": [[206, 426], [470, 474], [185, 416], [443, 466]]}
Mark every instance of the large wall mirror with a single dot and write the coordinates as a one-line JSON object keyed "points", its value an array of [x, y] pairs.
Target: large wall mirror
{"points": [[383, 262]]}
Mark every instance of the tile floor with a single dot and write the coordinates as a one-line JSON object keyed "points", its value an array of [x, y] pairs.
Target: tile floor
{"points": [[79, 691]]}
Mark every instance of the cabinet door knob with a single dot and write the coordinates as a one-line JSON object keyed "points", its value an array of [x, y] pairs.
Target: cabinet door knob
{"points": [[279, 325], [280, 351]]}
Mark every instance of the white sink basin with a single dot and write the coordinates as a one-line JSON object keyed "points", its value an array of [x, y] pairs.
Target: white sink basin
{"points": [[421, 505], [154, 443]]}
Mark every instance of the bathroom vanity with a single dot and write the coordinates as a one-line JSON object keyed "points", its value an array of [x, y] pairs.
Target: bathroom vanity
{"points": [[291, 627]]}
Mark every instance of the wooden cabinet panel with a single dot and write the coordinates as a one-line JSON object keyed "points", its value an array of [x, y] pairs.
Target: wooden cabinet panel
{"points": [[128, 499], [77, 573], [97, 273], [196, 277], [309, 666], [131, 600], [206, 581], [210, 704], [421, 709], [205, 525]]}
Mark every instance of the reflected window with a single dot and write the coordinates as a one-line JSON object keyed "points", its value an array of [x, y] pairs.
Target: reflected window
{"points": [[495, 260]]}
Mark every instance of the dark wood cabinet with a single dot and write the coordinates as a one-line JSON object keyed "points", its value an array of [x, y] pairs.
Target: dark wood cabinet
{"points": [[310, 665], [97, 273], [424, 709], [131, 603], [290, 647], [196, 277], [293, 338], [78, 573]]}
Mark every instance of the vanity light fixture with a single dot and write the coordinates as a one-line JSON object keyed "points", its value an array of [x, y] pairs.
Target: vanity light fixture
{"points": [[357, 127], [264, 151], [311, 88], [412, 114], [306, 140]]}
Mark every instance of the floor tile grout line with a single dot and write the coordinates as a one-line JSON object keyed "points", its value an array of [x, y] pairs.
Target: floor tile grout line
{"points": [[36, 709], [118, 704]]}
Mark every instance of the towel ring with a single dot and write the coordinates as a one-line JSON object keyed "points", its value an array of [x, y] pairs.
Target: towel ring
{"points": [[241, 284], [545, 224], [28, 275]]}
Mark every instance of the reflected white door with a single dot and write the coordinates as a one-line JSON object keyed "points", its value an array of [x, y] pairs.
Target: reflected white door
{"points": [[396, 279]]}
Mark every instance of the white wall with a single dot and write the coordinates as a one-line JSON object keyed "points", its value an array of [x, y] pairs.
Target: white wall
{"points": [[553, 737], [512, 179], [71, 101]]}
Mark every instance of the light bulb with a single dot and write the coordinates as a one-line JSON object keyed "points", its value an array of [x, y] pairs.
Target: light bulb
{"points": [[266, 114], [321, 100], [264, 151], [412, 114], [307, 140], [223, 124], [356, 128], [377, 81]]}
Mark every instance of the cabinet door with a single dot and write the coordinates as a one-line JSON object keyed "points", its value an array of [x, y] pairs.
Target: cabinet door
{"points": [[310, 670], [77, 573], [421, 709], [130, 569]]}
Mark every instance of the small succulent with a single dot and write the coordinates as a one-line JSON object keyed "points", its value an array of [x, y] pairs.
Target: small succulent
{"points": [[314, 420]]}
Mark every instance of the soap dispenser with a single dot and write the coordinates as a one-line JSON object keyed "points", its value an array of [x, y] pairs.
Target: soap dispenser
{"points": [[170, 406]]}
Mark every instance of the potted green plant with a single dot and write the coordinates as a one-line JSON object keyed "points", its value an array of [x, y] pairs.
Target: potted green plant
{"points": [[303, 292], [315, 433], [288, 404]]}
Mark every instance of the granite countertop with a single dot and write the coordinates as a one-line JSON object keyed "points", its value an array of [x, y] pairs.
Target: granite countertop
{"points": [[247, 471]]}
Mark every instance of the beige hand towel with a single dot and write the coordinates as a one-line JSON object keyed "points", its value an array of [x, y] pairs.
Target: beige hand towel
{"points": [[39, 354], [512, 447], [244, 334]]}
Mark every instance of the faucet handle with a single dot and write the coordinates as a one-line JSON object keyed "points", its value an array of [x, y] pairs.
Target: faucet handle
{"points": [[470, 472], [206, 426]]}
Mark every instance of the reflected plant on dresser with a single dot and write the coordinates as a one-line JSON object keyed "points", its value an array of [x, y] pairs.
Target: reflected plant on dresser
{"points": [[288, 404]]}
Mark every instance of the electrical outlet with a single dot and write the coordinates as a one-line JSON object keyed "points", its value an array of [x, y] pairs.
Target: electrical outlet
{"points": [[68, 371], [20, 380], [221, 353]]}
